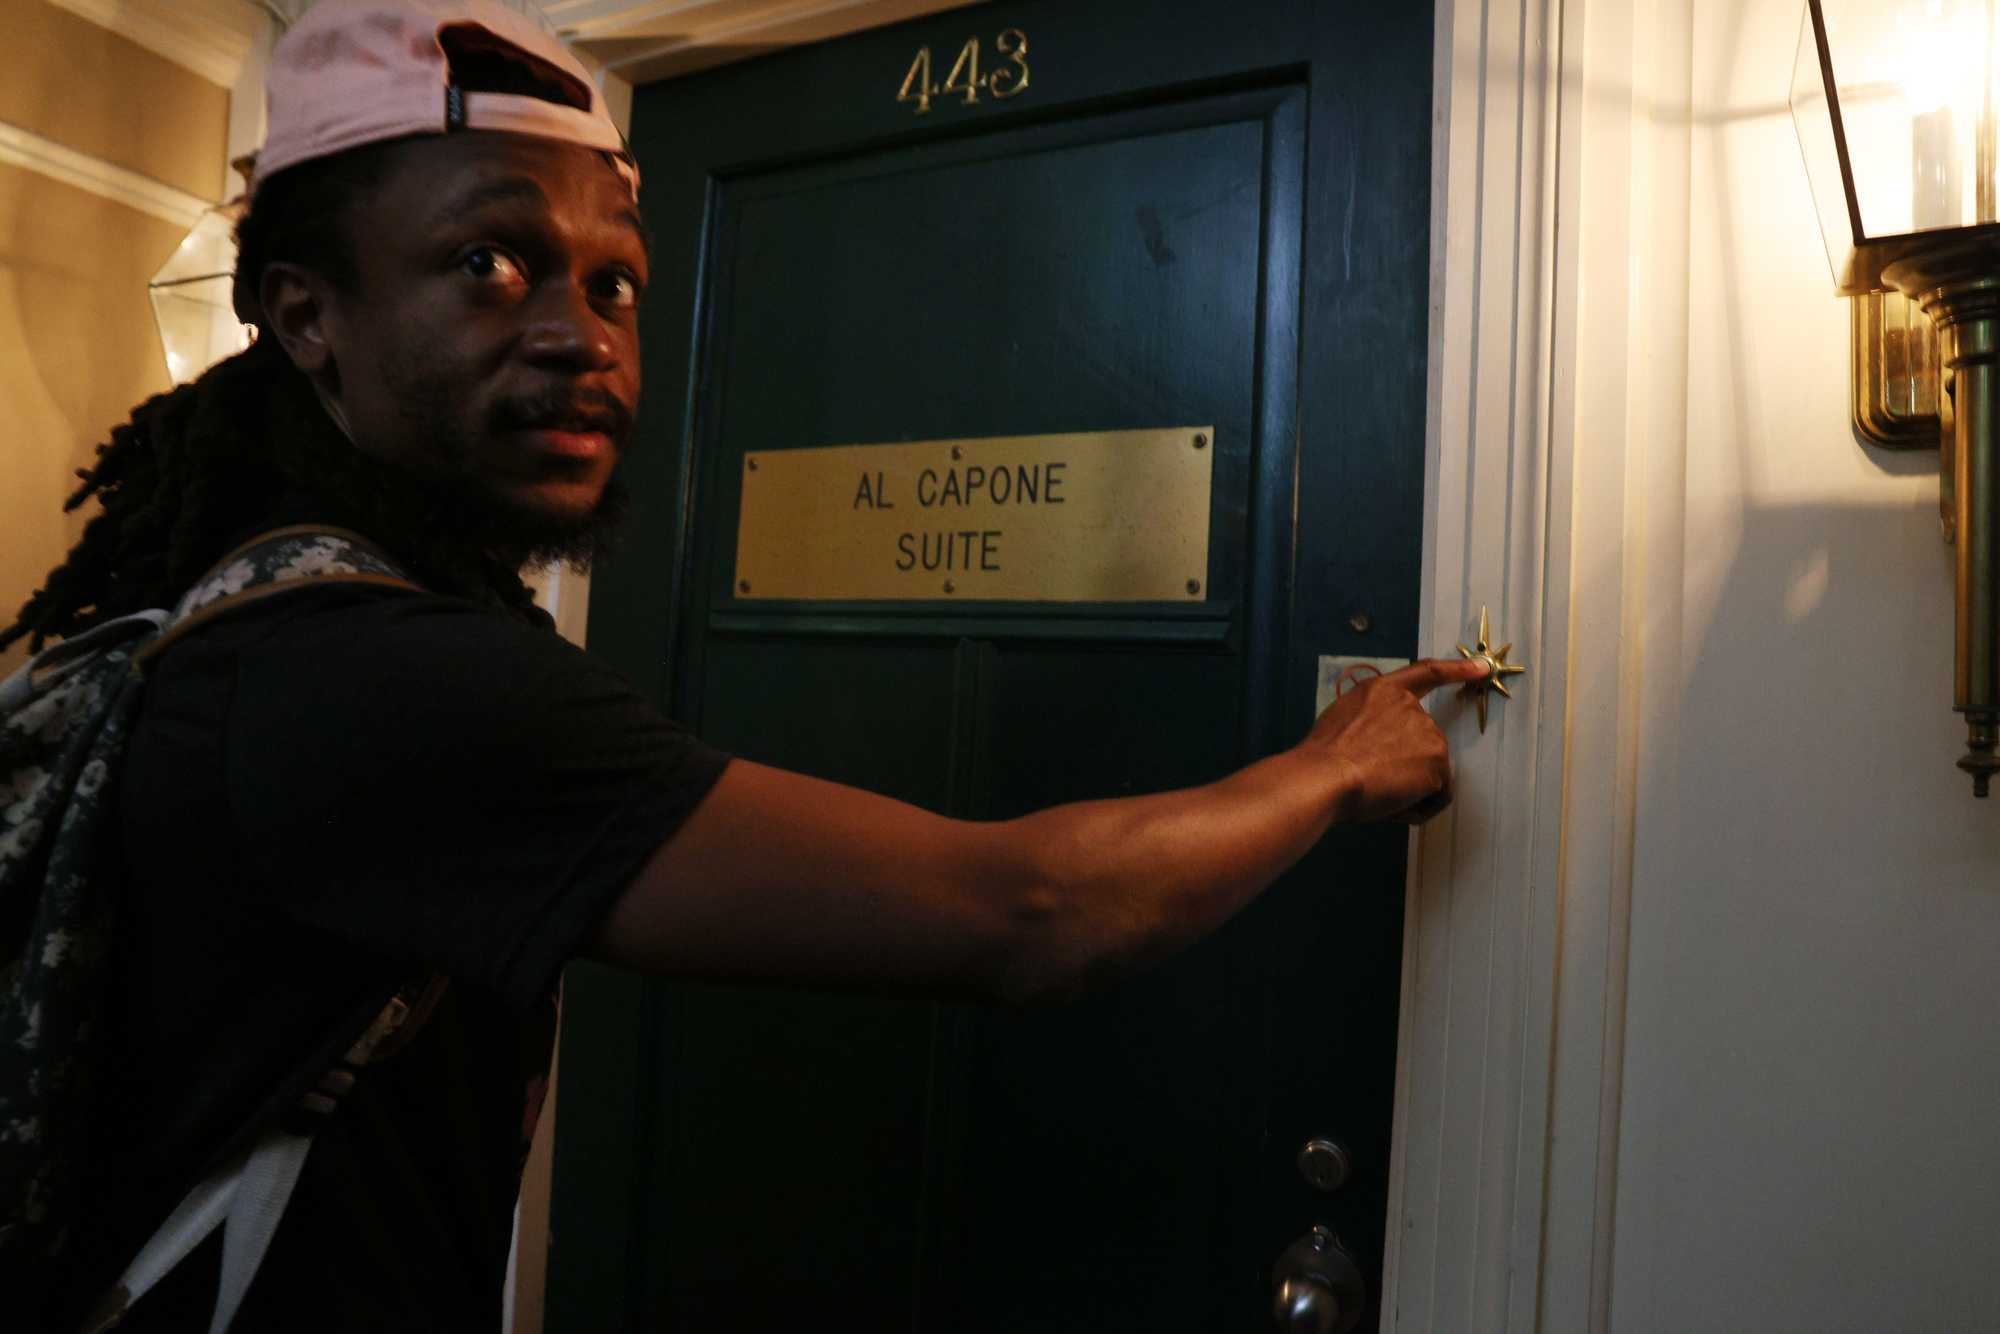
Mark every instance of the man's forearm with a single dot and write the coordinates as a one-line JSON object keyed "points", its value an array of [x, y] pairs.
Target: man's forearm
{"points": [[1117, 884], [780, 877]]}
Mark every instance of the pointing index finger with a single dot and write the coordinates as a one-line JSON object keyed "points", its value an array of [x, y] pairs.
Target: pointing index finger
{"points": [[1427, 674]]}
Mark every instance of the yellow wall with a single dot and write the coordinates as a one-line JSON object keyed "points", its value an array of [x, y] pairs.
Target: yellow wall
{"points": [[89, 89], [77, 344]]}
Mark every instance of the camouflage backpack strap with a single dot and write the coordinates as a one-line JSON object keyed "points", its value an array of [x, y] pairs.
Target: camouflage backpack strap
{"points": [[64, 718], [279, 561]]}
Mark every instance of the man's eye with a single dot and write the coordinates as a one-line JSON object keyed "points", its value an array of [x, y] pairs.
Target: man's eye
{"points": [[618, 288], [490, 265]]}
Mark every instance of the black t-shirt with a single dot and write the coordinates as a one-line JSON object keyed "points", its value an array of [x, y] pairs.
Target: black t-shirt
{"points": [[325, 793]]}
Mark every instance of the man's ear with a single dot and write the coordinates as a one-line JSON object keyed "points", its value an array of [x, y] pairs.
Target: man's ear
{"points": [[298, 308]]}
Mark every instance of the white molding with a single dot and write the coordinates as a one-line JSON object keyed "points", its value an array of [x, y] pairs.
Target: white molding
{"points": [[1593, 350], [564, 594], [210, 37], [608, 20], [1485, 904], [1559, 404], [1625, 384], [803, 21], [617, 90], [722, 34], [24, 148]]}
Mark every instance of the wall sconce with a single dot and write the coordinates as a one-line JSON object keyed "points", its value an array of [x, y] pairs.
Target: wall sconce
{"points": [[191, 298], [1898, 116]]}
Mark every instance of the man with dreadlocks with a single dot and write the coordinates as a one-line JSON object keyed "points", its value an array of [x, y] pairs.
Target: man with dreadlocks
{"points": [[443, 260]]}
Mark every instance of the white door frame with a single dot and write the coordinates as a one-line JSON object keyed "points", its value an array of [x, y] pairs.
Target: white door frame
{"points": [[1557, 426]]}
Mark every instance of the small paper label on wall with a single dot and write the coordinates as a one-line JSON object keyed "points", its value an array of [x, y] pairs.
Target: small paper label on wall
{"points": [[1337, 676]]}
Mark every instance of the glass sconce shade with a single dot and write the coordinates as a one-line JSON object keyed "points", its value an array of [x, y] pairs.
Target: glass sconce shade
{"points": [[191, 301], [1896, 107]]}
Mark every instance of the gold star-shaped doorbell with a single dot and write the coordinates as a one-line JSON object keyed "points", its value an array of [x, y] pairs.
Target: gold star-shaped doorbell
{"points": [[1497, 668]]}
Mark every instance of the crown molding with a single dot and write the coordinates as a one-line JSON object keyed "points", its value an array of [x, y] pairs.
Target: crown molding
{"points": [[659, 39], [213, 38], [31, 151]]}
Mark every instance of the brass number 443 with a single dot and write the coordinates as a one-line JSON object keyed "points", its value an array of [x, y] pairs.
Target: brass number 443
{"points": [[967, 64], [917, 85], [1010, 80]]}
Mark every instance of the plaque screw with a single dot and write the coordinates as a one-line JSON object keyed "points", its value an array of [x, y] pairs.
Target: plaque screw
{"points": [[1360, 622], [950, 587], [1200, 441], [1194, 586], [743, 587], [957, 453], [751, 464]]}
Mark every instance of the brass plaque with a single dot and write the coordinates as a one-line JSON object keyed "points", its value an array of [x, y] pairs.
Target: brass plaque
{"points": [[1099, 516]]}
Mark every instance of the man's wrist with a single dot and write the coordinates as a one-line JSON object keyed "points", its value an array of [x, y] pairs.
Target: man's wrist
{"points": [[1330, 775]]}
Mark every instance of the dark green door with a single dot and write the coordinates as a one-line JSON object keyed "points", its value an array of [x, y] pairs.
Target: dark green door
{"points": [[1191, 214]]}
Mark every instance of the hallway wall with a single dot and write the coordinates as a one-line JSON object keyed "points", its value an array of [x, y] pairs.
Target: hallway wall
{"points": [[1700, 984], [77, 342], [1811, 1060]]}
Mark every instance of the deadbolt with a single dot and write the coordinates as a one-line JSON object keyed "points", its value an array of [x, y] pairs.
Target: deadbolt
{"points": [[1325, 1164]]}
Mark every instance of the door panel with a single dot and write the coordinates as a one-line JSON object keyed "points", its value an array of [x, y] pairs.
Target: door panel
{"points": [[1130, 252], [1081, 277]]}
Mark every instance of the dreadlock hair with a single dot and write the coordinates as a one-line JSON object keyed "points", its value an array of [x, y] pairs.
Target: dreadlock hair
{"points": [[247, 447]]}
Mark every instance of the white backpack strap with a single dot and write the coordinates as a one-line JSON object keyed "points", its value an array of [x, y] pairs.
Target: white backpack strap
{"points": [[250, 1191], [248, 1194], [261, 1193]]}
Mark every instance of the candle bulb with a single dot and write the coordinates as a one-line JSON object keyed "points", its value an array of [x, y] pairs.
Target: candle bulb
{"points": [[1934, 187]]}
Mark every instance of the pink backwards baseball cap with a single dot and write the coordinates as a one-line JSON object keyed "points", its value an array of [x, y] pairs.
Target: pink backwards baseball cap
{"points": [[354, 72]]}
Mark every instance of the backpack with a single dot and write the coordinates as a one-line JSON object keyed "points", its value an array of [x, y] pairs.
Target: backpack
{"points": [[65, 717]]}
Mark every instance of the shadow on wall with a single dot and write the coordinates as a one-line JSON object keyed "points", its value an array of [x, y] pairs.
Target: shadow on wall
{"points": [[1811, 1060], [1819, 675]]}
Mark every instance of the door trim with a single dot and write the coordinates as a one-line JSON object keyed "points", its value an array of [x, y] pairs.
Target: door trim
{"points": [[1557, 431], [1469, 1132]]}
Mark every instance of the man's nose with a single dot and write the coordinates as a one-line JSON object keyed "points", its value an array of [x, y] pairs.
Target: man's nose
{"points": [[566, 330]]}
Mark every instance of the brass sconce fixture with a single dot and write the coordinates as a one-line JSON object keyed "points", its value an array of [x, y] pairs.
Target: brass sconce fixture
{"points": [[1895, 106], [191, 298]]}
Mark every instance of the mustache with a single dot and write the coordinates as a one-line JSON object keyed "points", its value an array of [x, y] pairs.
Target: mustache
{"points": [[577, 408]]}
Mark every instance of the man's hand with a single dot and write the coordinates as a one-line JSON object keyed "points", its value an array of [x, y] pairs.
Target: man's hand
{"points": [[1395, 758]]}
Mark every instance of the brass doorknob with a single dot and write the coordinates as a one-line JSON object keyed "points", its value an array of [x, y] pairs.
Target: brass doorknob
{"points": [[1498, 669], [1307, 1306], [1316, 1287]]}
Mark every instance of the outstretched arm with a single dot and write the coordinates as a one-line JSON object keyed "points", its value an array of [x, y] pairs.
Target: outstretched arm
{"points": [[782, 878]]}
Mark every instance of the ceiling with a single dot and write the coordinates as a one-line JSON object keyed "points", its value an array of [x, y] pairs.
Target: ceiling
{"points": [[648, 40]]}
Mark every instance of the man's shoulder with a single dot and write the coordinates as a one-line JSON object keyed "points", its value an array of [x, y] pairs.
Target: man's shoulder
{"points": [[336, 621]]}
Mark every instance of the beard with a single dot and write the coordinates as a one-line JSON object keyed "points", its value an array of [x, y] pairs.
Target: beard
{"points": [[495, 525], [464, 499], [526, 536], [452, 529]]}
